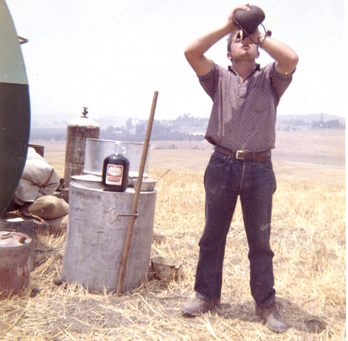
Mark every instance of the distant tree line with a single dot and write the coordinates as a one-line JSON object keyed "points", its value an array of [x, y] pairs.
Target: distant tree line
{"points": [[159, 132], [331, 124], [176, 130]]}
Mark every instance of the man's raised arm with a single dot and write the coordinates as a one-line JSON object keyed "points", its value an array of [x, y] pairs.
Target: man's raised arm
{"points": [[194, 53]]}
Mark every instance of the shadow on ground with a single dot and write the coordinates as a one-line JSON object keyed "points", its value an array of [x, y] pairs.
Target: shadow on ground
{"points": [[295, 317]]}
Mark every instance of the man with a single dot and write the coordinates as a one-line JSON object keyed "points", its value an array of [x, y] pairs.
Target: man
{"points": [[242, 129]]}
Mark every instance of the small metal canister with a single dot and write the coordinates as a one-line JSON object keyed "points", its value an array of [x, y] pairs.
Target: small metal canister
{"points": [[14, 262]]}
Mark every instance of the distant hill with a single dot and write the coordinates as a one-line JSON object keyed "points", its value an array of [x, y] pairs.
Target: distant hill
{"points": [[184, 127], [312, 121], [311, 117]]}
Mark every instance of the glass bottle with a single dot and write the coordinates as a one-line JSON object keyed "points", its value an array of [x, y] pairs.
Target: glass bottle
{"points": [[115, 171]]}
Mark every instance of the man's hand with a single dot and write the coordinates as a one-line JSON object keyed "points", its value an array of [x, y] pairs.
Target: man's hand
{"points": [[254, 38], [230, 17], [195, 52]]}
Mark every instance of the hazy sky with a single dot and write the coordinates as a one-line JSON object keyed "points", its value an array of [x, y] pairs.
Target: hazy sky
{"points": [[111, 55]]}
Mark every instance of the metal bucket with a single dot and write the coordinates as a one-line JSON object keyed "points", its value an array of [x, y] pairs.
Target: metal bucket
{"points": [[97, 150], [14, 258], [96, 235]]}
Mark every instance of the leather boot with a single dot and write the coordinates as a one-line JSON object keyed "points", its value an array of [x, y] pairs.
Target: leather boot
{"points": [[271, 317], [198, 306]]}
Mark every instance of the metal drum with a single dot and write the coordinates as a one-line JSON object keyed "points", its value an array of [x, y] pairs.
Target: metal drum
{"points": [[96, 235], [13, 223], [14, 262]]}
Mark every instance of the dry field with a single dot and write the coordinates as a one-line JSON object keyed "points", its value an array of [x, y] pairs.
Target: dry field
{"points": [[308, 238]]}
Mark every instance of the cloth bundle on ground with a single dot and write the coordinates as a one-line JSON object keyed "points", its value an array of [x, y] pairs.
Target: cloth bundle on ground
{"points": [[38, 179], [49, 207]]}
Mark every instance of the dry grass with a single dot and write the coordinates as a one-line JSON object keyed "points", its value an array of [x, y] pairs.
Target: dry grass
{"points": [[308, 239]]}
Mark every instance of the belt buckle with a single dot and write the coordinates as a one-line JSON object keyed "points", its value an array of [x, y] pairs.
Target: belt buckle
{"points": [[240, 154]]}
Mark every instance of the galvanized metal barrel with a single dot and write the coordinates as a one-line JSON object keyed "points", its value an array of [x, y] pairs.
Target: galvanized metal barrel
{"points": [[96, 235]]}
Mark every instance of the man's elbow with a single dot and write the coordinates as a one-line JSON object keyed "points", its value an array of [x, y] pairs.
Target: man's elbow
{"points": [[293, 59], [199, 63], [288, 64], [189, 55]]}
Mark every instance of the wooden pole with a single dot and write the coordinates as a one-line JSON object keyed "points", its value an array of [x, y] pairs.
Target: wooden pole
{"points": [[136, 196]]}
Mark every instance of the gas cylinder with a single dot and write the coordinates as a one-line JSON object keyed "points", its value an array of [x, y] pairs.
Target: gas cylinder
{"points": [[78, 130], [14, 262]]}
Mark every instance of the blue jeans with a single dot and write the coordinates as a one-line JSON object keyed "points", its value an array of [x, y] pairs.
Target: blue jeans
{"points": [[226, 178]]}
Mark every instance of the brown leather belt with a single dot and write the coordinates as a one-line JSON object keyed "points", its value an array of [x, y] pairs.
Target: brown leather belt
{"points": [[244, 155]]}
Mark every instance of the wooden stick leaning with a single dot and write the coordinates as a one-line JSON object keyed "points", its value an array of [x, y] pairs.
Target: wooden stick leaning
{"points": [[136, 196]]}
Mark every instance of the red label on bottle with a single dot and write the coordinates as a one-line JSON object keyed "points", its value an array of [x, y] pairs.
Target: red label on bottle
{"points": [[114, 175]]}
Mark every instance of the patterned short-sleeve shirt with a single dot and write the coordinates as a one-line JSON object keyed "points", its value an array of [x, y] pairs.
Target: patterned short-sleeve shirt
{"points": [[243, 115]]}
